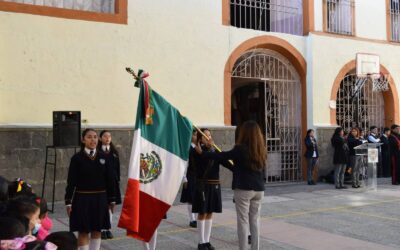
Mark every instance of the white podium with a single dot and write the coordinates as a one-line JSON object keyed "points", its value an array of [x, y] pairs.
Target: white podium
{"points": [[370, 152]]}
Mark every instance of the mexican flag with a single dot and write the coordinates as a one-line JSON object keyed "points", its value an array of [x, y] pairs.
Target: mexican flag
{"points": [[159, 156]]}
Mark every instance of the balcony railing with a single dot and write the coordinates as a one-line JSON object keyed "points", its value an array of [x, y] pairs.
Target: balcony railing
{"points": [[339, 17], [285, 16]]}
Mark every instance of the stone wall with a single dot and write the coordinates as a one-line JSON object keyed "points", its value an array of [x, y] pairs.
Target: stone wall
{"points": [[23, 153]]}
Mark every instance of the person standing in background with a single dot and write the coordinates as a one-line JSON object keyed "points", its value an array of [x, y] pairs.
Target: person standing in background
{"points": [[340, 157], [385, 152], [189, 182], [373, 135], [311, 155], [355, 160], [394, 142], [107, 148]]}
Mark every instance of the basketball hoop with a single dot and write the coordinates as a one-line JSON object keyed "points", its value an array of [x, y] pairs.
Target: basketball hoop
{"points": [[380, 82], [368, 70]]}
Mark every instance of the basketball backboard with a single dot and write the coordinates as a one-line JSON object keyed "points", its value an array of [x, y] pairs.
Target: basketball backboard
{"points": [[367, 65]]}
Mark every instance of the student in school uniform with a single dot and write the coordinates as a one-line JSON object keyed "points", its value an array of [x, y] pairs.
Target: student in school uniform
{"points": [[207, 198], [189, 182], [89, 192], [249, 156], [107, 147]]}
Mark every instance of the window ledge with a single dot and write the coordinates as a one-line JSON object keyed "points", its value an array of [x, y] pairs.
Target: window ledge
{"points": [[340, 34]]}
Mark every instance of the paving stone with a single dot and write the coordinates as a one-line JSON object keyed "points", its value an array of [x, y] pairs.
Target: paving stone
{"points": [[291, 216]]}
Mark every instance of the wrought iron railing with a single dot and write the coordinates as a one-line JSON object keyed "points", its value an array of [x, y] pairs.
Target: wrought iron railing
{"points": [[284, 16], [363, 109], [339, 16], [395, 20]]}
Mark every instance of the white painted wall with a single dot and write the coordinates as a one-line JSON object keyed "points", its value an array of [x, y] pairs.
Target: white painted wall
{"points": [[330, 55], [370, 18], [318, 15], [59, 64]]}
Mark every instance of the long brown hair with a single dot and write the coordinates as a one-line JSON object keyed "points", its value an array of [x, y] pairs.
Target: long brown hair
{"points": [[250, 136]]}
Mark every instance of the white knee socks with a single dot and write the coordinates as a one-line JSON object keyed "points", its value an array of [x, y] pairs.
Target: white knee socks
{"points": [[85, 247], [94, 244], [189, 210], [192, 216], [207, 230], [111, 214], [200, 228], [151, 245]]}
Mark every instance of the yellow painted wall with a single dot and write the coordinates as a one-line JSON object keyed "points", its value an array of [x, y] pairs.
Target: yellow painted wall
{"points": [[59, 64]]}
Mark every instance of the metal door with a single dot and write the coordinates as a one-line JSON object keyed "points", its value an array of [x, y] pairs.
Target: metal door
{"points": [[359, 108], [282, 110]]}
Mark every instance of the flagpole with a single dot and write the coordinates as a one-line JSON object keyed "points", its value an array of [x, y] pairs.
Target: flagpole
{"points": [[202, 133], [130, 71], [213, 144]]}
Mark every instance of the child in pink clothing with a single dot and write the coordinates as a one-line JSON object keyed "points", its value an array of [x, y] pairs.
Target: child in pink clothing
{"points": [[45, 221]]}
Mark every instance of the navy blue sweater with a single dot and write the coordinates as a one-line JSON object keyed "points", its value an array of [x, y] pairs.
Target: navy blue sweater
{"points": [[244, 177], [85, 174]]}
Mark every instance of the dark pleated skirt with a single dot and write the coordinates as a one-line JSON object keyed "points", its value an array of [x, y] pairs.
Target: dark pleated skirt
{"points": [[210, 202], [188, 193], [89, 213]]}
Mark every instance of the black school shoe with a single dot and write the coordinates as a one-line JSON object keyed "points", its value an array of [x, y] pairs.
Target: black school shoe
{"points": [[193, 224], [249, 239], [202, 246], [109, 234], [103, 235], [209, 246]]}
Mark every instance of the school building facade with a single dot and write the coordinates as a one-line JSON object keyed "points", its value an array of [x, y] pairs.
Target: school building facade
{"points": [[288, 64]]}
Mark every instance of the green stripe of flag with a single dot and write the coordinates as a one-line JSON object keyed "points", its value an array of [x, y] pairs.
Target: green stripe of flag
{"points": [[170, 130]]}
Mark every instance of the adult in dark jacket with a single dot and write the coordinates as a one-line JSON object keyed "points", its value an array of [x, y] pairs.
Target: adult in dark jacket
{"points": [[355, 160], [394, 142], [311, 155], [385, 151], [249, 157], [340, 156]]}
